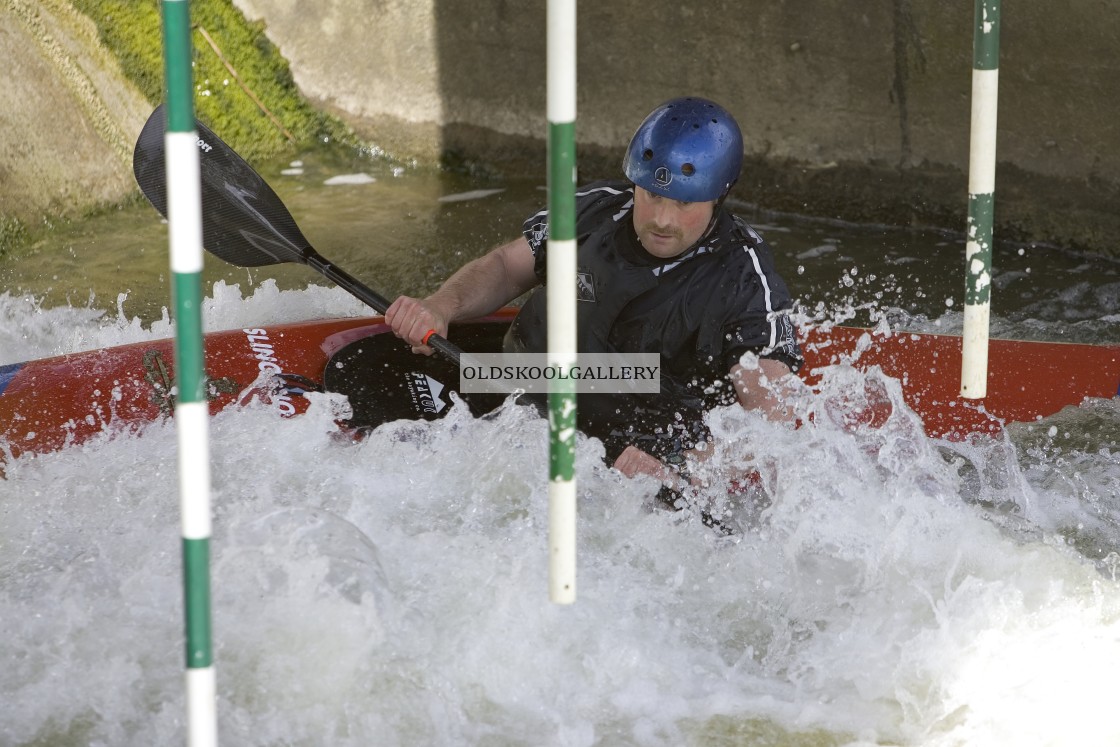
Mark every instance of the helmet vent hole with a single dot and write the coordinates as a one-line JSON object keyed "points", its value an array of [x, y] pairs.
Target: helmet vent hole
{"points": [[688, 169], [647, 155]]}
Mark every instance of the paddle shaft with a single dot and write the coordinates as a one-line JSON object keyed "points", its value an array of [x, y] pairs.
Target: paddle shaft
{"points": [[370, 297]]}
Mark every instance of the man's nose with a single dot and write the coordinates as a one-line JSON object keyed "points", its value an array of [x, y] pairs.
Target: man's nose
{"points": [[663, 213]]}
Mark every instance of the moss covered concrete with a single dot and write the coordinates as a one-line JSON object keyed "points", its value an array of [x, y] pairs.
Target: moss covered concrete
{"points": [[244, 88], [83, 76]]}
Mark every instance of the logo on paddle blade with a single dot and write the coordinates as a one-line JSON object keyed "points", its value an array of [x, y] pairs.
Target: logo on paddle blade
{"points": [[585, 286], [427, 393]]}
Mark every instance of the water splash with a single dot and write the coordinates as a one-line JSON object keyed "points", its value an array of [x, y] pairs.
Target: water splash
{"points": [[882, 588]]}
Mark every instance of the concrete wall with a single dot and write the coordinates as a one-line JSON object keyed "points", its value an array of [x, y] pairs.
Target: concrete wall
{"points": [[857, 110], [68, 119]]}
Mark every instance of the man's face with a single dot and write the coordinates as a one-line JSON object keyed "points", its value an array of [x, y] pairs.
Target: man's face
{"points": [[668, 227]]}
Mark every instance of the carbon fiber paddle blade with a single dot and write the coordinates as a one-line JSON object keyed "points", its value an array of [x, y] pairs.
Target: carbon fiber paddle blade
{"points": [[243, 221]]}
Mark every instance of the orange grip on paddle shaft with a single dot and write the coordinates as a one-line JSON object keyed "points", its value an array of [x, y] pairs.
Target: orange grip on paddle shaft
{"points": [[429, 333]]}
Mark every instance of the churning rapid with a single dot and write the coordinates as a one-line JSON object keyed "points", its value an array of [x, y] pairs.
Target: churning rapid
{"points": [[882, 587], [887, 588]]}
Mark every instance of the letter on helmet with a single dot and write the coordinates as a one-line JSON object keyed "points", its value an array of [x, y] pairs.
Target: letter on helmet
{"points": [[687, 149]]}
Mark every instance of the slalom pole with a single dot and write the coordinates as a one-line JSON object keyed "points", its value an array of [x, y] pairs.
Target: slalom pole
{"points": [[184, 218], [981, 200], [562, 298]]}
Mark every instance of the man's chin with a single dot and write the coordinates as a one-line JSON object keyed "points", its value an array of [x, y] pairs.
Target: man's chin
{"points": [[661, 246]]}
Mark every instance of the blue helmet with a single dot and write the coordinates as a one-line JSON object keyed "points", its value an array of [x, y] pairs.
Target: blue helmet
{"points": [[687, 149]]}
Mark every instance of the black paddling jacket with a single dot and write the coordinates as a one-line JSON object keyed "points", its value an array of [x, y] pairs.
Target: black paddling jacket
{"points": [[700, 311]]}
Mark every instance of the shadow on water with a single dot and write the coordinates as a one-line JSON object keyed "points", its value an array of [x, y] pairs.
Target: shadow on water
{"points": [[388, 228]]}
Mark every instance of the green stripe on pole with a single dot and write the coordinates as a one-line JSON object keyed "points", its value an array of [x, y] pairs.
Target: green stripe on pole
{"points": [[978, 286], [985, 40], [189, 351], [196, 593], [177, 64], [561, 180], [562, 422]]}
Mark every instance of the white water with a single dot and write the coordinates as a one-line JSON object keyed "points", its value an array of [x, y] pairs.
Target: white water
{"points": [[896, 590]]}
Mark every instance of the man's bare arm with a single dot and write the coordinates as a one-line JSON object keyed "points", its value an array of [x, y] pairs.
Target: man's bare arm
{"points": [[759, 388], [478, 288]]}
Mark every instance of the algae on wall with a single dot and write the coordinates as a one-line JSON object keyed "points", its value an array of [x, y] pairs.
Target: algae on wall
{"points": [[86, 73], [222, 38], [12, 234]]}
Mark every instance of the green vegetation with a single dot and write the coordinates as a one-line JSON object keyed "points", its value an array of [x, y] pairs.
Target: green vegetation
{"points": [[13, 235], [132, 30]]}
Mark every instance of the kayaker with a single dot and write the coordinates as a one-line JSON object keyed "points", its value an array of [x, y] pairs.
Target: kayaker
{"points": [[664, 268]]}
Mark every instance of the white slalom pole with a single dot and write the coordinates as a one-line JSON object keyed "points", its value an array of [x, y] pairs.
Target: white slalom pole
{"points": [[981, 200], [562, 298], [192, 414]]}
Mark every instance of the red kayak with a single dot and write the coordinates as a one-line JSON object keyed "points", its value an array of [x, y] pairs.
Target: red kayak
{"points": [[52, 403]]}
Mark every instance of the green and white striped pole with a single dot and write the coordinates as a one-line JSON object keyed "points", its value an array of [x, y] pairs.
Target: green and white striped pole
{"points": [[184, 217], [981, 200], [562, 297]]}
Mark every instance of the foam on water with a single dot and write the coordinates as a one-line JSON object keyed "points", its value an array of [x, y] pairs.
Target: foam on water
{"points": [[884, 588], [30, 331]]}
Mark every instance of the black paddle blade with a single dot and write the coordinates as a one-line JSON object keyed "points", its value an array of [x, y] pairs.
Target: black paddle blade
{"points": [[243, 221], [385, 381]]}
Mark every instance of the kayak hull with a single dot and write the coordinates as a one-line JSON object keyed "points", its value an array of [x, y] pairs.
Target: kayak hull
{"points": [[49, 404], [1027, 380]]}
